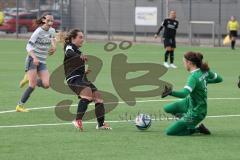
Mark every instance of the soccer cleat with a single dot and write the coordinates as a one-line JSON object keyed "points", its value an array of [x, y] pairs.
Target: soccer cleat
{"points": [[24, 81], [202, 129], [166, 64], [20, 108], [104, 127], [78, 124], [173, 66]]}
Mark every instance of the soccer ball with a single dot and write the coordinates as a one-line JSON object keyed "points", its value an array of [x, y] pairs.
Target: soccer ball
{"points": [[143, 121]]}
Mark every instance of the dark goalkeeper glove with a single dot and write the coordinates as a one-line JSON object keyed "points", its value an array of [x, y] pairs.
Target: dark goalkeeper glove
{"points": [[167, 91]]}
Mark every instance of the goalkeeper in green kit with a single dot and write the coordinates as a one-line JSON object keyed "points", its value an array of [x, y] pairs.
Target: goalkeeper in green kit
{"points": [[193, 108]]}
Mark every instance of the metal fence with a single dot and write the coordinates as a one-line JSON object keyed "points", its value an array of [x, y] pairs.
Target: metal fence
{"points": [[115, 19], [19, 15]]}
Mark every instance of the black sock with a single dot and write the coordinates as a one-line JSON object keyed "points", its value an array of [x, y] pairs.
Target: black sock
{"points": [[171, 57], [100, 112], [39, 83], [233, 44], [26, 95], [166, 56], [82, 107]]}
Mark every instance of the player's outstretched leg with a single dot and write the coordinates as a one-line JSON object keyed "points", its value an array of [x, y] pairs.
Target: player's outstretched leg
{"points": [[43, 80], [86, 98], [31, 74], [100, 112], [177, 108]]}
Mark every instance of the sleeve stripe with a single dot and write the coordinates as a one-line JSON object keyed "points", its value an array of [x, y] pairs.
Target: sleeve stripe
{"points": [[67, 48], [215, 76], [188, 88]]}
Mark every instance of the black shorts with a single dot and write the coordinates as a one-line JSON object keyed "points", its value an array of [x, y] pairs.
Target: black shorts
{"points": [[77, 84], [169, 42], [233, 34]]}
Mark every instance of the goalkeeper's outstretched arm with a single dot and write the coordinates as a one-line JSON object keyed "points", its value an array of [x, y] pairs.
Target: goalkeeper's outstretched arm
{"points": [[180, 94]]}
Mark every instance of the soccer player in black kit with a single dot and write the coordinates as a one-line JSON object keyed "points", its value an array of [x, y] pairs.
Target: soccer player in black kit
{"points": [[170, 26], [76, 77]]}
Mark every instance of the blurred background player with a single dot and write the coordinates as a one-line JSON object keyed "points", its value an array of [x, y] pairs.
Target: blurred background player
{"points": [[193, 108], [1, 17], [239, 82], [232, 28], [170, 26], [41, 43], [76, 77]]}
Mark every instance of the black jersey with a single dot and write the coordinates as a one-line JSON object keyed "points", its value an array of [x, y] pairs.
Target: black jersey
{"points": [[170, 27], [74, 66]]}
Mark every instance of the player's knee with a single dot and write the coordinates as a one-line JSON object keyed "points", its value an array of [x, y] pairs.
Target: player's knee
{"points": [[32, 84], [97, 97], [46, 85], [98, 100], [86, 97], [167, 108], [170, 133], [86, 93]]}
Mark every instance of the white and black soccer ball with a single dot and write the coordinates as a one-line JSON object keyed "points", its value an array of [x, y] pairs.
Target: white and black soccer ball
{"points": [[143, 121]]}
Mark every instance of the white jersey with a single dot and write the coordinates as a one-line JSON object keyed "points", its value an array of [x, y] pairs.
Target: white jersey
{"points": [[40, 42]]}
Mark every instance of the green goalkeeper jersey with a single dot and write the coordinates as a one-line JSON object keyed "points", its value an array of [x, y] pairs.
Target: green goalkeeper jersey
{"points": [[196, 90]]}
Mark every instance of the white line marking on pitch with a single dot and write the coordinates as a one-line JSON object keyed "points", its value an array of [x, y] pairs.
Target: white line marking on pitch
{"points": [[91, 122], [139, 101]]}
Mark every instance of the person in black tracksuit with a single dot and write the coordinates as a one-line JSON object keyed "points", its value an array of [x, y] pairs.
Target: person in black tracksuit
{"points": [[76, 77], [170, 26]]}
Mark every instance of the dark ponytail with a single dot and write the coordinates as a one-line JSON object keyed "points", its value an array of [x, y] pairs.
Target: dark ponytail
{"points": [[197, 59]]}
